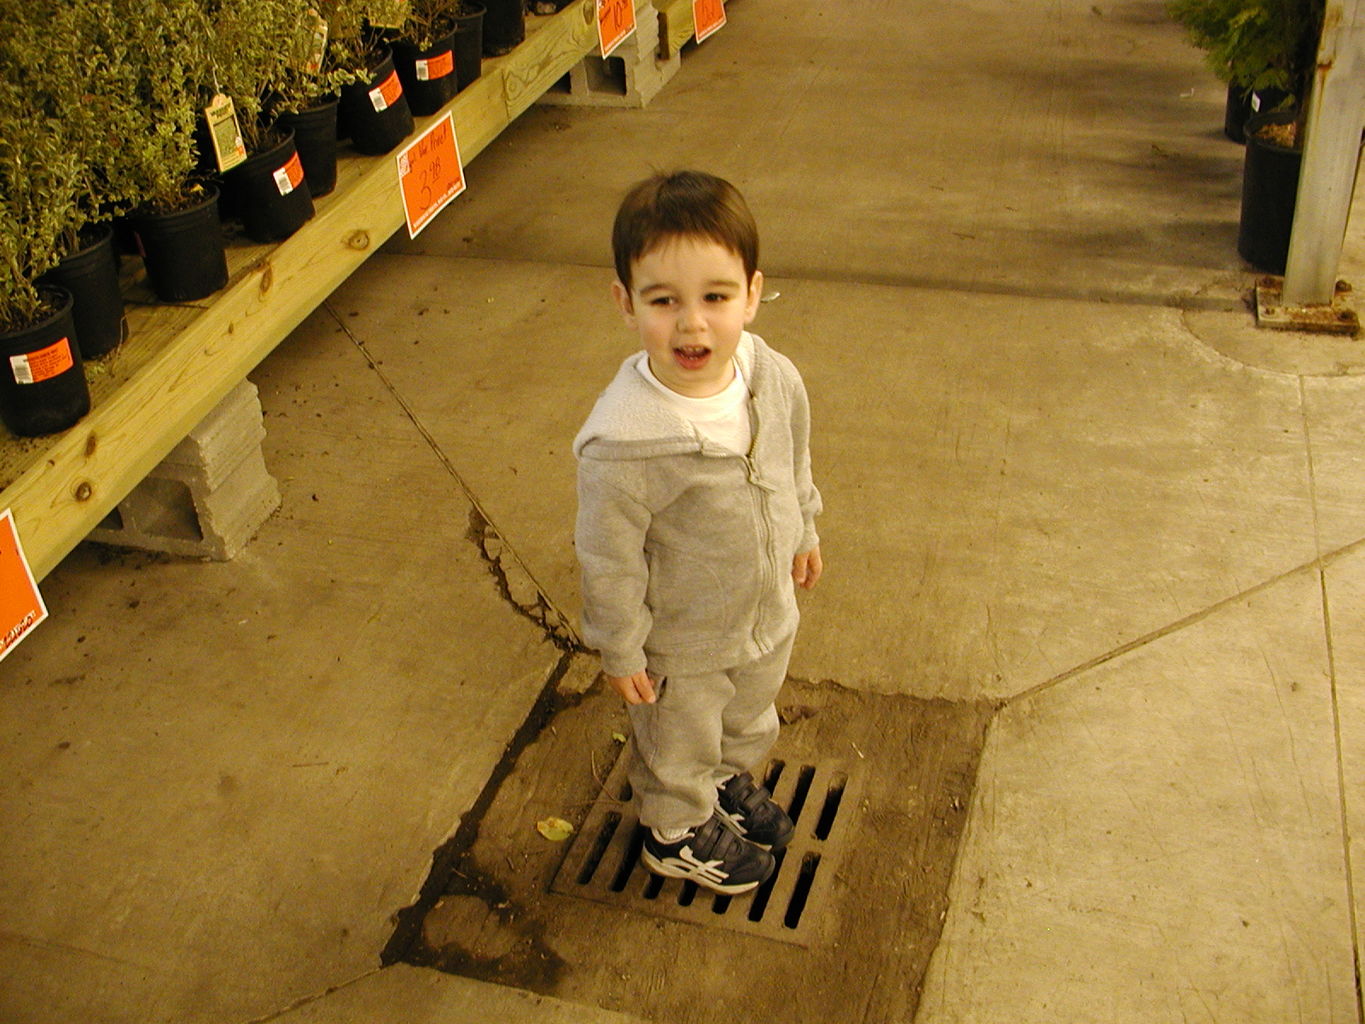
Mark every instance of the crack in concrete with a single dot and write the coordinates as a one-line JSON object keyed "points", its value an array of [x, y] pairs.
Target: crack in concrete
{"points": [[516, 585], [510, 574]]}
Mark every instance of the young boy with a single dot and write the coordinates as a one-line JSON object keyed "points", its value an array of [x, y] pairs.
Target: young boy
{"points": [[696, 520]]}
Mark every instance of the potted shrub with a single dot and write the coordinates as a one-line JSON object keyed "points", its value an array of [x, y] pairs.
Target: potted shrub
{"points": [[373, 109], [153, 156], [42, 381], [1263, 47], [69, 83], [431, 60], [250, 46], [305, 99]]}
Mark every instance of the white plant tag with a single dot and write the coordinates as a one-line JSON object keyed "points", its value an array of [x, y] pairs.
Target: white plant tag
{"points": [[317, 44], [228, 148]]}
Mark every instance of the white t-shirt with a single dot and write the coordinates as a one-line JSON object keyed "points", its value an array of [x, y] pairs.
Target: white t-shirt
{"points": [[723, 418]]}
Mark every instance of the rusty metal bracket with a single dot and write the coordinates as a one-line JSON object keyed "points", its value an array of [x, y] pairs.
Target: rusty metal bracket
{"points": [[1329, 318]]}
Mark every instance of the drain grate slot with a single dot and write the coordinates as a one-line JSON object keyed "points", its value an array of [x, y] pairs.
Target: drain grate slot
{"points": [[810, 863], [603, 865], [798, 800], [599, 847], [834, 796]]}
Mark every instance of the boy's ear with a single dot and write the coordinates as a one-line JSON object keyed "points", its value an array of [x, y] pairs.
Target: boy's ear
{"points": [[621, 294], [754, 297]]}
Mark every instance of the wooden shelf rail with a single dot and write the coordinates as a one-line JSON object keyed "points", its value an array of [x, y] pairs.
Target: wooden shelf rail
{"points": [[180, 361]]}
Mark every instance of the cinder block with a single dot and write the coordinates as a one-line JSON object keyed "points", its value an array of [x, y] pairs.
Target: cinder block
{"points": [[208, 498], [630, 77]]}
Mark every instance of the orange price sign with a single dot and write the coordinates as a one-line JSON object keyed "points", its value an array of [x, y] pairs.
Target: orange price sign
{"points": [[615, 23], [708, 16], [430, 174], [21, 606]]}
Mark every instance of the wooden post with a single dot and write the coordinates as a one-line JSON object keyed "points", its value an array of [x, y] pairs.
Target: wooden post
{"points": [[1336, 114]]}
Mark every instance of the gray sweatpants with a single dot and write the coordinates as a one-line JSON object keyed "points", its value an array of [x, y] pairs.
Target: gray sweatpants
{"points": [[703, 728]]}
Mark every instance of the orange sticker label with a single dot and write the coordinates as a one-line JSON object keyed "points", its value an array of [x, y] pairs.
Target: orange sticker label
{"points": [[21, 606], [708, 16], [295, 170], [288, 177], [435, 67], [387, 92], [615, 23], [430, 173], [46, 363]]}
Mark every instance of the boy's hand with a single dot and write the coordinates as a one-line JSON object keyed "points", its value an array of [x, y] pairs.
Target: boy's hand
{"points": [[636, 689], [807, 567]]}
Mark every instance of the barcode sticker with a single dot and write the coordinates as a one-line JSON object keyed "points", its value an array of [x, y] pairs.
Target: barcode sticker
{"points": [[46, 363]]}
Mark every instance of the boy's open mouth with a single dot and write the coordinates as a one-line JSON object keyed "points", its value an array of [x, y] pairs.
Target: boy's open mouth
{"points": [[692, 357]]}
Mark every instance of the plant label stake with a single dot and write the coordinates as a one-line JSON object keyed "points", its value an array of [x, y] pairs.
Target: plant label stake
{"points": [[430, 174], [21, 606], [316, 34], [615, 23], [708, 16], [228, 148]]}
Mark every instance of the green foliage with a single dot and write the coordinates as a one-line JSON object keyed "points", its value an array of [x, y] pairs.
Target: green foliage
{"points": [[430, 20], [147, 145], [40, 167], [261, 56], [1256, 44], [100, 101]]}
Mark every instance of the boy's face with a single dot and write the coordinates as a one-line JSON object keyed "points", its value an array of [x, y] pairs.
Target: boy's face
{"points": [[690, 302]]}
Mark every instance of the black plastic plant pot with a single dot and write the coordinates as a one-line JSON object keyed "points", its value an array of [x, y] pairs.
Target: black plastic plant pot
{"points": [[272, 192], [91, 276], [183, 250], [1242, 104], [42, 380], [315, 139], [504, 26], [375, 112], [428, 76], [1270, 185], [469, 44]]}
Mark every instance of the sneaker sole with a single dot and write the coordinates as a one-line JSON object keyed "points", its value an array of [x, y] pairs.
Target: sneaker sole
{"points": [[658, 867]]}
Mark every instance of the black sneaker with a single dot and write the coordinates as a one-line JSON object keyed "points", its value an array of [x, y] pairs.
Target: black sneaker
{"points": [[710, 855], [748, 810]]}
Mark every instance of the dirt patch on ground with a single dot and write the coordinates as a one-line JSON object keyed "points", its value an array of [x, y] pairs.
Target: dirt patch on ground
{"points": [[881, 787]]}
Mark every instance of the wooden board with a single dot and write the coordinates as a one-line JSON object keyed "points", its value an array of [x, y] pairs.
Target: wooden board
{"points": [[180, 361]]}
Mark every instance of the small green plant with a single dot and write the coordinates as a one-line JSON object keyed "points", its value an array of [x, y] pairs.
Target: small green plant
{"points": [[264, 55], [432, 20], [41, 170], [1256, 44], [353, 44], [150, 155]]}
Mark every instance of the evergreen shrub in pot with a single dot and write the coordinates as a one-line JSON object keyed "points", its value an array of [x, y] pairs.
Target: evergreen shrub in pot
{"points": [[251, 45], [70, 84], [439, 51], [374, 110], [1262, 48], [42, 379], [304, 98], [174, 212]]}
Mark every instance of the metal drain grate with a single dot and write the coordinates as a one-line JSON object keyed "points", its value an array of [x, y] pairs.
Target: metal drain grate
{"points": [[603, 864]]}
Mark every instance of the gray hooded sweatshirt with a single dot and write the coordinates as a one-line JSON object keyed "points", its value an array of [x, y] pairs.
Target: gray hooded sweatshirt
{"points": [[686, 548]]}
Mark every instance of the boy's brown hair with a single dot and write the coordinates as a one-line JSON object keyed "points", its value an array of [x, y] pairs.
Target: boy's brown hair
{"points": [[679, 205]]}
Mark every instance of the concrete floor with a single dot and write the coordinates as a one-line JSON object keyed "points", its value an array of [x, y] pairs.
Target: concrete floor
{"points": [[1061, 470]]}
